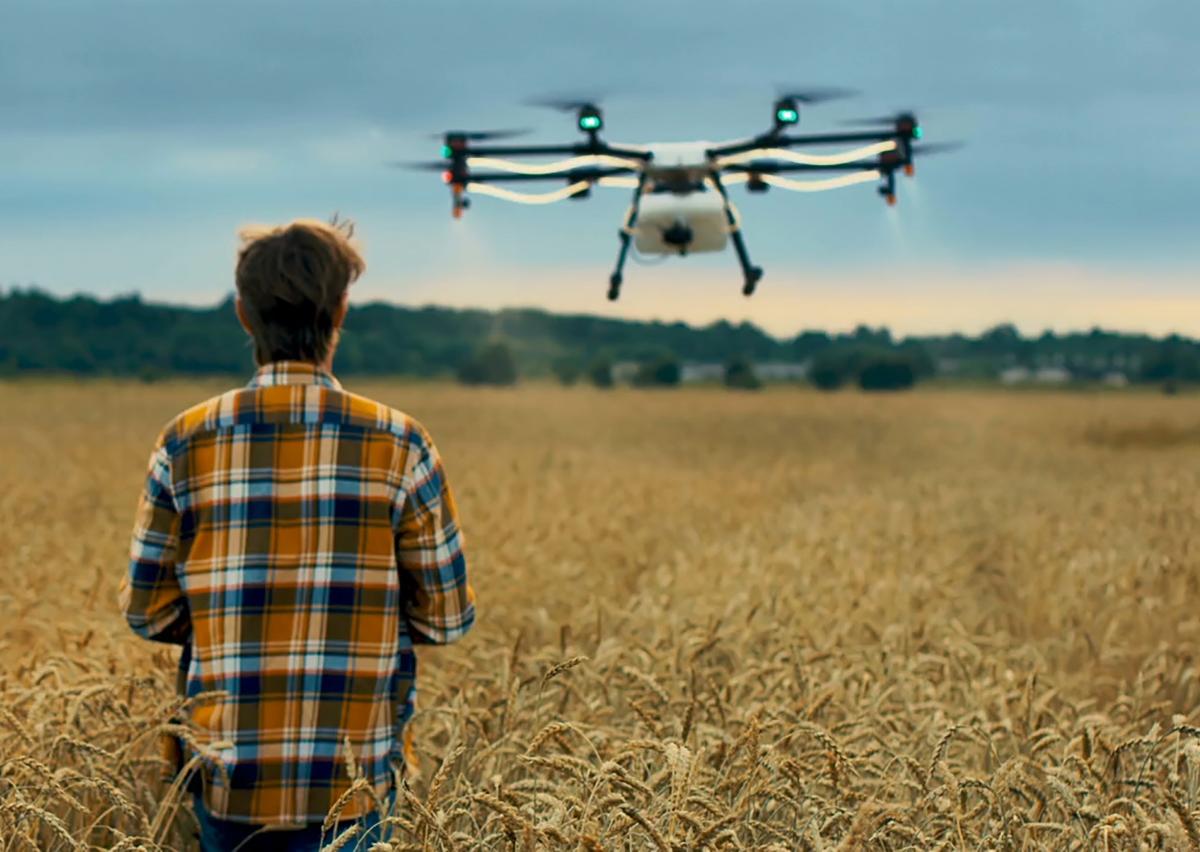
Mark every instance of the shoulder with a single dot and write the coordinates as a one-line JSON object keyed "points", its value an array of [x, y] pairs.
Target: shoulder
{"points": [[367, 413], [202, 417]]}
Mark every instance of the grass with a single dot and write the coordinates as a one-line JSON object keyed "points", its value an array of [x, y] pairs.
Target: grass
{"points": [[782, 620]]}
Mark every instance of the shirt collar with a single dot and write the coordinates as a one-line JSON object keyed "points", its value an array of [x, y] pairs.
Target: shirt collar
{"points": [[292, 373]]}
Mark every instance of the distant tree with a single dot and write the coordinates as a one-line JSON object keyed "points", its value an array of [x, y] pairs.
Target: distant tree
{"points": [[887, 372], [739, 373], [809, 343], [867, 336], [600, 372], [567, 369], [663, 371], [919, 357], [1174, 361], [829, 370], [490, 364]]}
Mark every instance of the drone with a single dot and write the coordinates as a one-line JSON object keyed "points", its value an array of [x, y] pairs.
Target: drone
{"points": [[681, 203]]}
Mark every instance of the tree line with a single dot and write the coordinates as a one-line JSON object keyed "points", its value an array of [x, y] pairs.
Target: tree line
{"points": [[128, 336]]}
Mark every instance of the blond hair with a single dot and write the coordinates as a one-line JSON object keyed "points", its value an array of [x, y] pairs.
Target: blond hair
{"points": [[291, 280]]}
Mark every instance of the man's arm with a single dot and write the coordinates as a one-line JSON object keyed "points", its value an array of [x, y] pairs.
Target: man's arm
{"points": [[440, 604], [151, 599]]}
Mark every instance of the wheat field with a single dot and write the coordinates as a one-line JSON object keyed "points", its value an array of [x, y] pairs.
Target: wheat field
{"points": [[708, 620]]}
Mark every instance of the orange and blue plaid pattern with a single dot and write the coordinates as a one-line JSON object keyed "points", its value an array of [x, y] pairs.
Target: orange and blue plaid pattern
{"points": [[300, 539]]}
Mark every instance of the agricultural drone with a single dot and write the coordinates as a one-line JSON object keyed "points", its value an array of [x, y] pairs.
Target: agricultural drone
{"points": [[680, 200]]}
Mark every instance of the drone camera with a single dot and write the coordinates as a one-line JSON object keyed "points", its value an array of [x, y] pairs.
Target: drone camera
{"points": [[680, 235]]}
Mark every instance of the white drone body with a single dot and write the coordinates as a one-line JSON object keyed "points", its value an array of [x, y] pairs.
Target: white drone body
{"points": [[679, 195]]}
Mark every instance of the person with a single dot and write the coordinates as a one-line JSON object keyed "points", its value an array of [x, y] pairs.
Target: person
{"points": [[298, 540]]}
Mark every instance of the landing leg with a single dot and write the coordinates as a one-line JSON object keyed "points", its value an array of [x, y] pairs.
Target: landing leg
{"points": [[614, 281], [751, 274], [626, 234]]}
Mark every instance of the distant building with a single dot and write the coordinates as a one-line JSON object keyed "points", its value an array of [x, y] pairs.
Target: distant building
{"points": [[1038, 376], [709, 372], [1015, 375], [624, 371], [693, 373], [1115, 379], [1051, 375], [782, 371]]}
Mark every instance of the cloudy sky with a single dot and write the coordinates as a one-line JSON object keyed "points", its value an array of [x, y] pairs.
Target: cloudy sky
{"points": [[136, 137]]}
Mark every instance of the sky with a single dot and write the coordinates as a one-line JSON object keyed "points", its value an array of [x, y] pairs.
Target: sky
{"points": [[137, 137]]}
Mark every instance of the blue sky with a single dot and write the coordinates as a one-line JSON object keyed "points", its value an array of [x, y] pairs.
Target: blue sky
{"points": [[135, 137]]}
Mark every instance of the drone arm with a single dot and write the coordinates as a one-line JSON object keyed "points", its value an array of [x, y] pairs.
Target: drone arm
{"points": [[572, 175], [769, 167], [577, 149], [781, 140]]}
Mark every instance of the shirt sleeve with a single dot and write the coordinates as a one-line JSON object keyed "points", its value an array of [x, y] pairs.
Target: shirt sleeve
{"points": [[151, 599], [440, 604]]}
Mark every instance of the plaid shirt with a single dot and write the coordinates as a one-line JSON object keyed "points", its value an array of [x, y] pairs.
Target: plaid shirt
{"points": [[301, 539]]}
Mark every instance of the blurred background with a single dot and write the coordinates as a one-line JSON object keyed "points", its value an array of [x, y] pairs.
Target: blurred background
{"points": [[136, 137]]}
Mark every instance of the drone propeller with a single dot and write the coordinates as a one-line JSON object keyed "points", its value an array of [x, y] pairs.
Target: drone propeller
{"points": [[936, 148], [479, 135], [888, 120], [813, 95], [419, 165], [565, 103]]}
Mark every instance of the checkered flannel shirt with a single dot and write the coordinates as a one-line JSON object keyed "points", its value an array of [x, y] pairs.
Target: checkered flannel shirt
{"points": [[301, 539]]}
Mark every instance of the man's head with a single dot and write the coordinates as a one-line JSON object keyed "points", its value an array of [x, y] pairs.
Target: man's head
{"points": [[293, 282]]}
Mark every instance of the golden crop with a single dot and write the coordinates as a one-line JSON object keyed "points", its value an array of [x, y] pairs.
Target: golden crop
{"points": [[707, 620]]}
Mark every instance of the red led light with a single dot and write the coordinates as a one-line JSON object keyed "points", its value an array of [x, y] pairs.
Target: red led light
{"points": [[447, 176]]}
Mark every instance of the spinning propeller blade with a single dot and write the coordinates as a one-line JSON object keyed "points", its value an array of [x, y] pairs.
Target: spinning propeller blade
{"points": [[565, 103], [936, 148], [898, 117], [813, 95], [419, 165], [480, 135]]}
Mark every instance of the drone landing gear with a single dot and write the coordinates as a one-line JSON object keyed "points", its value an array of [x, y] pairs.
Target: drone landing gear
{"points": [[751, 274], [625, 234], [614, 286]]}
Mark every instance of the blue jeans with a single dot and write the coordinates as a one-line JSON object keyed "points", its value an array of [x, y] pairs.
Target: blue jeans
{"points": [[219, 835]]}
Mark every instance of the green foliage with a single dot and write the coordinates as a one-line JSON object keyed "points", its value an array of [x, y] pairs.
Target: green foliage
{"points": [[567, 369], [870, 366], [600, 372], [739, 374], [886, 372], [127, 336], [1173, 360], [491, 364], [665, 371], [829, 370]]}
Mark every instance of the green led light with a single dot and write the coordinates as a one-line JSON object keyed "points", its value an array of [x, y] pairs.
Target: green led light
{"points": [[787, 116], [589, 122], [918, 132], [446, 152]]}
